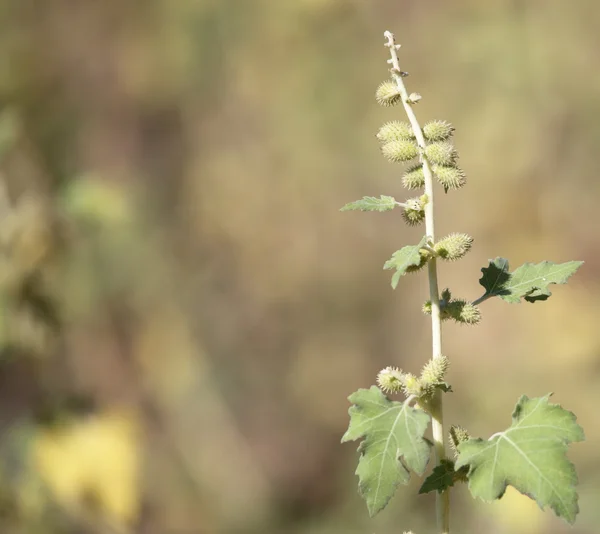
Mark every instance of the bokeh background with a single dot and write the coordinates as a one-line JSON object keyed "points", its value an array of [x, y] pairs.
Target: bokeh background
{"points": [[184, 310]]}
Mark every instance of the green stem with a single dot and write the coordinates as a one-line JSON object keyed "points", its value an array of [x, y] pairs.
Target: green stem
{"points": [[442, 499], [481, 299], [430, 249]]}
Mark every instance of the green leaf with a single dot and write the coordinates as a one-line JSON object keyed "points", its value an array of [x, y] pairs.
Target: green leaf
{"points": [[405, 260], [383, 203], [442, 477], [530, 281], [393, 443], [530, 456]]}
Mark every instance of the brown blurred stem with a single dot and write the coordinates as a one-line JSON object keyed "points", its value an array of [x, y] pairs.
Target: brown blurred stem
{"points": [[436, 408]]}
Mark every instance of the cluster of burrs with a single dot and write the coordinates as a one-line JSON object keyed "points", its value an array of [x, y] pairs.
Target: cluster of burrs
{"points": [[394, 380], [421, 388], [399, 145], [459, 310]]}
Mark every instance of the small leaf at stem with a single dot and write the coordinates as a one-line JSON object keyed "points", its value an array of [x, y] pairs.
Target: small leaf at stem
{"points": [[442, 477], [530, 281], [530, 456], [383, 203], [393, 442], [407, 259]]}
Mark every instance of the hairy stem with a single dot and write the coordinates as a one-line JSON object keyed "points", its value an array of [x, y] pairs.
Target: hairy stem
{"points": [[442, 500]]}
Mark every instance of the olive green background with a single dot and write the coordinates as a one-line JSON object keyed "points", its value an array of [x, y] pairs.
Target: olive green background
{"points": [[173, 253]]}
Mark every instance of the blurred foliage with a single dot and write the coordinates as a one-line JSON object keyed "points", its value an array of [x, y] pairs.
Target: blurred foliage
{"points": [[183, 309], [93, 461]]}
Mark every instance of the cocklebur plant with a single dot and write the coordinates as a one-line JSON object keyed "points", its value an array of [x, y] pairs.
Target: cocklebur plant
{"points": [[530, 454]]}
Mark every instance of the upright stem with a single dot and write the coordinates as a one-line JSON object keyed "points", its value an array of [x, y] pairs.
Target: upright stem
{"points": [[442, 500]]}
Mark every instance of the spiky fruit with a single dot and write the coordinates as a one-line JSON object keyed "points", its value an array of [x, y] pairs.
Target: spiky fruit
{"points": [[390, 380], [462, 312], [459, 310], [441, 153], [453, 246], [469, 314], [387, 94], [414, 178], [438, 131], [395, 131], [435, 370], [449, 176], [458, 435], [413, 214], [399, 151], [413, 386], [413, 217]]}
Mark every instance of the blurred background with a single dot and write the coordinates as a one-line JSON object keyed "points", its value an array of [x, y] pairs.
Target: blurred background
{"points": [[184, 310]]}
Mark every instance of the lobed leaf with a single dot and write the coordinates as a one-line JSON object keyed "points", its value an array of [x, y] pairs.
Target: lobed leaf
{"points": [[393, 443], [530, 281], [405, 260], [383, 203], [530, 456]]}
